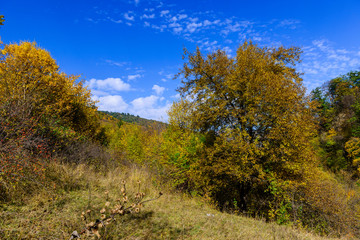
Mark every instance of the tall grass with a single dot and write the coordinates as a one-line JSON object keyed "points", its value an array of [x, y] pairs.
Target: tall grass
{"points": [[56, 213]]}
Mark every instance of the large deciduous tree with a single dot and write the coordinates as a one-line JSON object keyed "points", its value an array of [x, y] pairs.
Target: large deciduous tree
{"points": [[254, 113]]}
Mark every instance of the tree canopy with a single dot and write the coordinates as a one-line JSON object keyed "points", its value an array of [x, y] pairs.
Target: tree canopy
{"points": [[30, 77], [253, 111]]}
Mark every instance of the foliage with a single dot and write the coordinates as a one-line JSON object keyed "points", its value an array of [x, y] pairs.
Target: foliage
{"points": [[330, 203], [180, 150], [30, 75], [42, 112], [137, 143], [255, 117], [339, 119], [2, 20], [22, 151], [242, 136]]}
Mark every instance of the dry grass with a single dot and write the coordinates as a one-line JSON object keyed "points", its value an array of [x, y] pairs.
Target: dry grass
{"points": [[55, 215]]}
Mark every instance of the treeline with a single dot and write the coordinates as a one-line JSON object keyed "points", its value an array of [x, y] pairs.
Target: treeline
{"points": [[129, 118], [244, 135], [338, 118]]}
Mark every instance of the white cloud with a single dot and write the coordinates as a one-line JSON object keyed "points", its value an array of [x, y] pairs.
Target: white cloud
{"points": [[128, 17], [323, 45], [150, 107], [237, 26], [322, 61], [91, 20], [339, 57], [148, 16], [144, 102], [182, 16], [208, 46], [116, 21], [207, 23], [133, 77], [158, 90], [176, 96], [161, 27], [289, 23], [174, 25], [167, 76], [343, 51], [108, 84], [354, 63], [191, 27], [178, 30], [118, 64], [228, 50], [193, 19], [113, 103], [164, 12]]}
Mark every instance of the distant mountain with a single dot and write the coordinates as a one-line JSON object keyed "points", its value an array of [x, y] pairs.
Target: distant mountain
{"points": [[126, 117]]}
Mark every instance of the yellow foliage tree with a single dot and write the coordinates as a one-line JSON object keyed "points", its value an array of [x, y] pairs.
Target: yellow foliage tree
{"points": [[256, 118], [30, 75]]}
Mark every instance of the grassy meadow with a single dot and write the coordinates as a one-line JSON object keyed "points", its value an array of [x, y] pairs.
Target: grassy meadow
{"points": [[56, 213]]}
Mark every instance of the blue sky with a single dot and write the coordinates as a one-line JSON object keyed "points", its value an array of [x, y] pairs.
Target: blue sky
{"points": [[128, 51]]}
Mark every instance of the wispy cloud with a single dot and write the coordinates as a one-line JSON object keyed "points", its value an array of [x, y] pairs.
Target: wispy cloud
{"points": [[148, 16], [118, 64], [165, 76], [195, 26], [129, 16], [289, 23], [133, 77], [164, 13], [322, 61]]}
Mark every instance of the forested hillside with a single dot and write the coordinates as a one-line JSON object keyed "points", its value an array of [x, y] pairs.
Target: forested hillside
{"points": [[244, 141], [129, 118]]}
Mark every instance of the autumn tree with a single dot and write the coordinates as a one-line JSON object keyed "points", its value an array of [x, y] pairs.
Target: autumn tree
{"points": [[255, 117], [42, 111], [30, 76]]}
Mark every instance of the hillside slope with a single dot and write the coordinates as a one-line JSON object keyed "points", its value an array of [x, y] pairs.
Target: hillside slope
{"points": [[173, 216]]}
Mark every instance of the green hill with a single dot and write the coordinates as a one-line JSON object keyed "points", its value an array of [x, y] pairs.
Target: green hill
{"points": [[129, 118]]}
